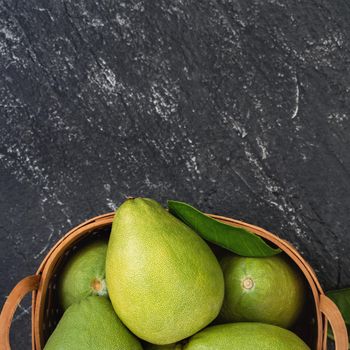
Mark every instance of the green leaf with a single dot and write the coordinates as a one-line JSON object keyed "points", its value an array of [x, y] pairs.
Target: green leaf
{"points": [[237, 240], [341, 298]]}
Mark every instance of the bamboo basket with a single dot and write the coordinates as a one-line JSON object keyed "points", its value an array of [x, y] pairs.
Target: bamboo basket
{"points": [[46, 311]]}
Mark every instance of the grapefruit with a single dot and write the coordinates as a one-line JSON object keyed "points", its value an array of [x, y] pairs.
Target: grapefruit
{"points": [[267, 290], [84, 274], [164, 282], [245, 336], [91, 324]]}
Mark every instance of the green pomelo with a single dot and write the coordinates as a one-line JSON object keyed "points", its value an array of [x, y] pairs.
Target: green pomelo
{"points": [[267, 290], [245, 336], [91, 324], [163, 280], [84, 274]]}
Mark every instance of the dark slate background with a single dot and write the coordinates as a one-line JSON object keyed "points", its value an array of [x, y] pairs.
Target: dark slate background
{"points": [[239, 107]]}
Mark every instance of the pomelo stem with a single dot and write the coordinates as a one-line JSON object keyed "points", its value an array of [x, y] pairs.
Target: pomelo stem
{"points": [[99, 287], [248, 283]]}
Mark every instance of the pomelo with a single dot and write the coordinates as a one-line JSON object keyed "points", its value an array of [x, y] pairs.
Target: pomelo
{"points": [[84, 274], [245, 336], [91, 324], [164, 282], [267, 290]]}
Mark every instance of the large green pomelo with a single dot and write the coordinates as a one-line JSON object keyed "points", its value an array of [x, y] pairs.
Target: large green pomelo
{"points": [[245, 336], [267, 290], [84, 274], [91, 324], [163, 280]]}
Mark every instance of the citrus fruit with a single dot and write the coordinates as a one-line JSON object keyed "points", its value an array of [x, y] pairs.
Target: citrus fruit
{"points": [[163, 280], [267, 290], [245, 336], [91, 324], [84, 274]]}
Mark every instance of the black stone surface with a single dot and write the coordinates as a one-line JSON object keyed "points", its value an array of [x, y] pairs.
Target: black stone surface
{"points": [[239, 107]]}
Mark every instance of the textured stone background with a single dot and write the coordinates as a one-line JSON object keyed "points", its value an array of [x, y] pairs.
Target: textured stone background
{"points": [[239, 107]]}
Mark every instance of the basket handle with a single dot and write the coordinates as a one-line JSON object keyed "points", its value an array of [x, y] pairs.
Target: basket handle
{"points": [[334, 317], [25, 286]]}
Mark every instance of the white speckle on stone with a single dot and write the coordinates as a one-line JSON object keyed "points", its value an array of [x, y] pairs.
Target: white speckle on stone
{"points": [[23, 311], [97, 23], [165, 99], [152, 185], [277, 205], [257, 104], [263, 148], [236, 125], [106, 80], [111, 204], [121, 21], [296, 101], [338, 118], [45, 247], [192, 164], [46, 11], [303, 156], [110, 77], [139, 6], [9, 35]]}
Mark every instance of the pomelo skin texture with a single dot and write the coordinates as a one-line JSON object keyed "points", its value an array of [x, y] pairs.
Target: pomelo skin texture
{"points": [[267, 290], [91, 324], [245, 336], [84, 274], [164, 282]]}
